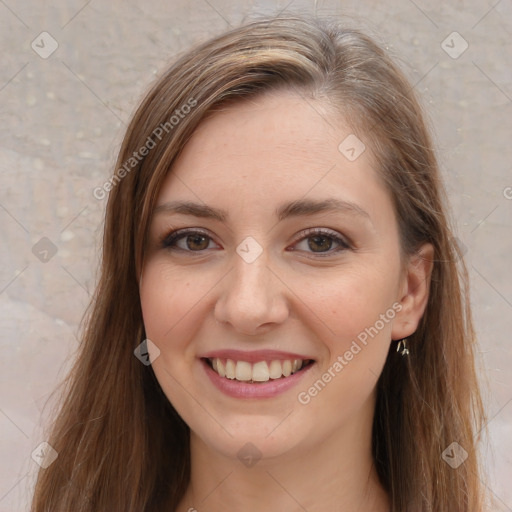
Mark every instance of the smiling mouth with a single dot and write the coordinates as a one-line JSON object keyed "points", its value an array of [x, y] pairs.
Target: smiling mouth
{"points": [[259, 372]]}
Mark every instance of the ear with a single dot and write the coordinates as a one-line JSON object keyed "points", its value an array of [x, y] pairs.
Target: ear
{"points": [[414, 292]]}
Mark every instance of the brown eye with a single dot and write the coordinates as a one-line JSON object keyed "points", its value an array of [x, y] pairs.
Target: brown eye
{"points": [[321, 242], [187, 240], [197, 242]]}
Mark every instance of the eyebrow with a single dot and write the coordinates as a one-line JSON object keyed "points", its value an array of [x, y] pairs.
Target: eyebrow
{"points": [[300, 207]]}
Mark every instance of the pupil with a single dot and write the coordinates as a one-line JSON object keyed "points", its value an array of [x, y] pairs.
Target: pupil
{"points": [[316, 241], [196, 239]]}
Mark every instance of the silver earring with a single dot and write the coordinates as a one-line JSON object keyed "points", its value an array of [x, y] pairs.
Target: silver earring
{"points": [[402, 347]]}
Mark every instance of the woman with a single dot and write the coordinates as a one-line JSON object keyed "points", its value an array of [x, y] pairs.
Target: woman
{"points": [[282, 320]]}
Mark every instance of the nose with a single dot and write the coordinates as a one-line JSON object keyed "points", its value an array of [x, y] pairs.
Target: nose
{"points": [[253, 297]]}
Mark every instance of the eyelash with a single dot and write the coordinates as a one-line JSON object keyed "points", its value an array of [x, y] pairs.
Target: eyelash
{"points": [[168, 241]]}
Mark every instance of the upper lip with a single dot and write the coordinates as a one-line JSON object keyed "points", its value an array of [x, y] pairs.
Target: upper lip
{"points": [[254, 356]]}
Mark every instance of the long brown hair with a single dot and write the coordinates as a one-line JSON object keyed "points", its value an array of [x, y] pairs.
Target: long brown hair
{"points": [[120, 443]]}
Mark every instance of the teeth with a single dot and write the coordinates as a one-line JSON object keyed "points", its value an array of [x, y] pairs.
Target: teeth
{"points": [[230, 369], [243, 371], [221, 369], [257, 372], [260, 372], [276, 369]]}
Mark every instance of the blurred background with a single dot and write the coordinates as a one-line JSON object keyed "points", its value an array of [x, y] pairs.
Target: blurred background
{"points": [[72, 74]]}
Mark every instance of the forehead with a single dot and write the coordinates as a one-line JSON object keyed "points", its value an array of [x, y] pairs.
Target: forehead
{"points": [[273, 147], [280, 125]]}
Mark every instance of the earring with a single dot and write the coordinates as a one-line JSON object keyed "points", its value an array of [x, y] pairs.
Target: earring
{"points": [[402, 347]]}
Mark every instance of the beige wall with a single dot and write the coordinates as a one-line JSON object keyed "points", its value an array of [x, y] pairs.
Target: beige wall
{"points": [[62, 121]]}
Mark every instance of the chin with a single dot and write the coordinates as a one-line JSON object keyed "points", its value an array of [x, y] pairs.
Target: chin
{"points": [[251, 440]]}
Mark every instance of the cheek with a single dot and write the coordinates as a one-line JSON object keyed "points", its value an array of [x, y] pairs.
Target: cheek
{"points": [[168, 303], [358, 308], [354, 301]]}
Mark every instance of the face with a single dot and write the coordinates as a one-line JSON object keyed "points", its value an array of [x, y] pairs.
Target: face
{"points": [[285, 259]]}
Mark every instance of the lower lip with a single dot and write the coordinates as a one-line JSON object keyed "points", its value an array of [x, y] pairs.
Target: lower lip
{"points": [[238, 389]]}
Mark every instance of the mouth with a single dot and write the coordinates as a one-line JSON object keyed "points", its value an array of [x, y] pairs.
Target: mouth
{"points": [[259, 372]]}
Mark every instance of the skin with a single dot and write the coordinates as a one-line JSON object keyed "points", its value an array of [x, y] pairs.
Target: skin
{"points": [[249, 159]]}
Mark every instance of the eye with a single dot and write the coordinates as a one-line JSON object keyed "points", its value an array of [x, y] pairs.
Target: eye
{"points": [[320, 241], [190, 240]]}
